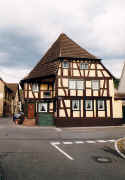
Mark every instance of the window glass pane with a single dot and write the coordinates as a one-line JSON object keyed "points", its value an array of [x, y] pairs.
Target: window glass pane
{"points": [[89, 105], [80, 84], [65, 64], [83, 65], [42, 107], [95, 84], [72, 84], [100, 105], [75, 105], [35, 87]]}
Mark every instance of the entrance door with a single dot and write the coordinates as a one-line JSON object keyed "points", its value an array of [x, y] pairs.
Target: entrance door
{"points": [[31, 111]]}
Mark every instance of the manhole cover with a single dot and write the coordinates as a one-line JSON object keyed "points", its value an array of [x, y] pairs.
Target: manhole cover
{"points": [[102, 159]]}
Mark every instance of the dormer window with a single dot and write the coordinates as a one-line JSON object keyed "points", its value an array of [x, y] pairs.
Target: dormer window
{"points": [[35, 87], [83, 65], [65, 64]]}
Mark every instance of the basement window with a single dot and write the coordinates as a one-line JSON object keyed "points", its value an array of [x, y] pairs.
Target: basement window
{"points": [[75, 105], [65, 64]]}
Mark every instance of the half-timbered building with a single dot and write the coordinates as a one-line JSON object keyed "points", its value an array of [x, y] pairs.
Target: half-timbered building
{"points": [[9, 98], [120, 93], [72, 86]]}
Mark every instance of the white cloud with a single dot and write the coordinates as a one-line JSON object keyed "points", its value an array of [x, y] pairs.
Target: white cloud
{"points": [[96, 25], [13, 75], [115, 66]]}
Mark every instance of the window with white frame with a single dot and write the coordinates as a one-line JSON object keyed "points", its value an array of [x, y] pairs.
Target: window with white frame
{"points": [[65, 64], [89, 105], [83, 65], [72, 84], [76, 84], [79, 84], [95, 84], [75, 105], [101, 105], [35, 87], [42, 107]]}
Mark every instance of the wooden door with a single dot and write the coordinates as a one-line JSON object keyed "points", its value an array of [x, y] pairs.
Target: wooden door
{"points": [[31, 111]]}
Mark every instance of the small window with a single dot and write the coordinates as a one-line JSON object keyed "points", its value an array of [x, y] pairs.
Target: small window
{"points": [[35, 87], [65, 64], [95, 85], [42, 107], [72, 84], [101, 105], [75, 105], [46, 93], [83, 65], [88, 105], [79, 84], [76, 84]]}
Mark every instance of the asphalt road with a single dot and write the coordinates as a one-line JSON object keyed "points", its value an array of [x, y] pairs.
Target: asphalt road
{"points": [[59, 154]]}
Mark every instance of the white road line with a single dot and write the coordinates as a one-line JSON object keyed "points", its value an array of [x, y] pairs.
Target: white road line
{"points": [[58, 129], [111, 140], [101, 141], [60, 150], [67, 142], [56, 143], [117, 149], [89, 141], [79, 142]]}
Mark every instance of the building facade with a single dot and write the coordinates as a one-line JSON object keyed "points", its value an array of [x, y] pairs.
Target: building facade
{"points": [[120, 93], [72, 86], [9, 97]]}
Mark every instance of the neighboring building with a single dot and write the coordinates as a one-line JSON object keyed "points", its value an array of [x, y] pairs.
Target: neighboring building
{"points": [[8, 98], [120, 94], [15, 104], [121, 87], [72, 86]]}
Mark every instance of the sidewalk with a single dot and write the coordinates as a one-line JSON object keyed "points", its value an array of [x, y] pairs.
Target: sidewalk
{"points": [[120, 147]]}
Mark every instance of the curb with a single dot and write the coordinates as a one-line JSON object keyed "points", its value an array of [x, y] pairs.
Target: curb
{"points": [[119, 147]]}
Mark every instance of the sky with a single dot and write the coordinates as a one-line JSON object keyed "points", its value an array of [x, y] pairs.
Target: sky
{"points": [[29, 27]]}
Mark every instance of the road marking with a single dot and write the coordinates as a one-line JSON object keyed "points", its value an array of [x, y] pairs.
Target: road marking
{"points": [[101, 141], [60, 150], [111, 140], [89, 141], [79, 142], [58, 129], [117, 149], [56, 143], [67, 143]]}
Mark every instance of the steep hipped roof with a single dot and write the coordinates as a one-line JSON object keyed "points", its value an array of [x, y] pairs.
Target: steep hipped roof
{"points": [[13, 87], [121, 88], [62, 47]]}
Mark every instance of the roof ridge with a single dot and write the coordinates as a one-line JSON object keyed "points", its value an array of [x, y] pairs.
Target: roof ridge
{"points": [[63, 47]]}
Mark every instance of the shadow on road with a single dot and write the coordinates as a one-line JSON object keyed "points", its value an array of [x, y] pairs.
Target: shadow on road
{"points": [[112, 151]]}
